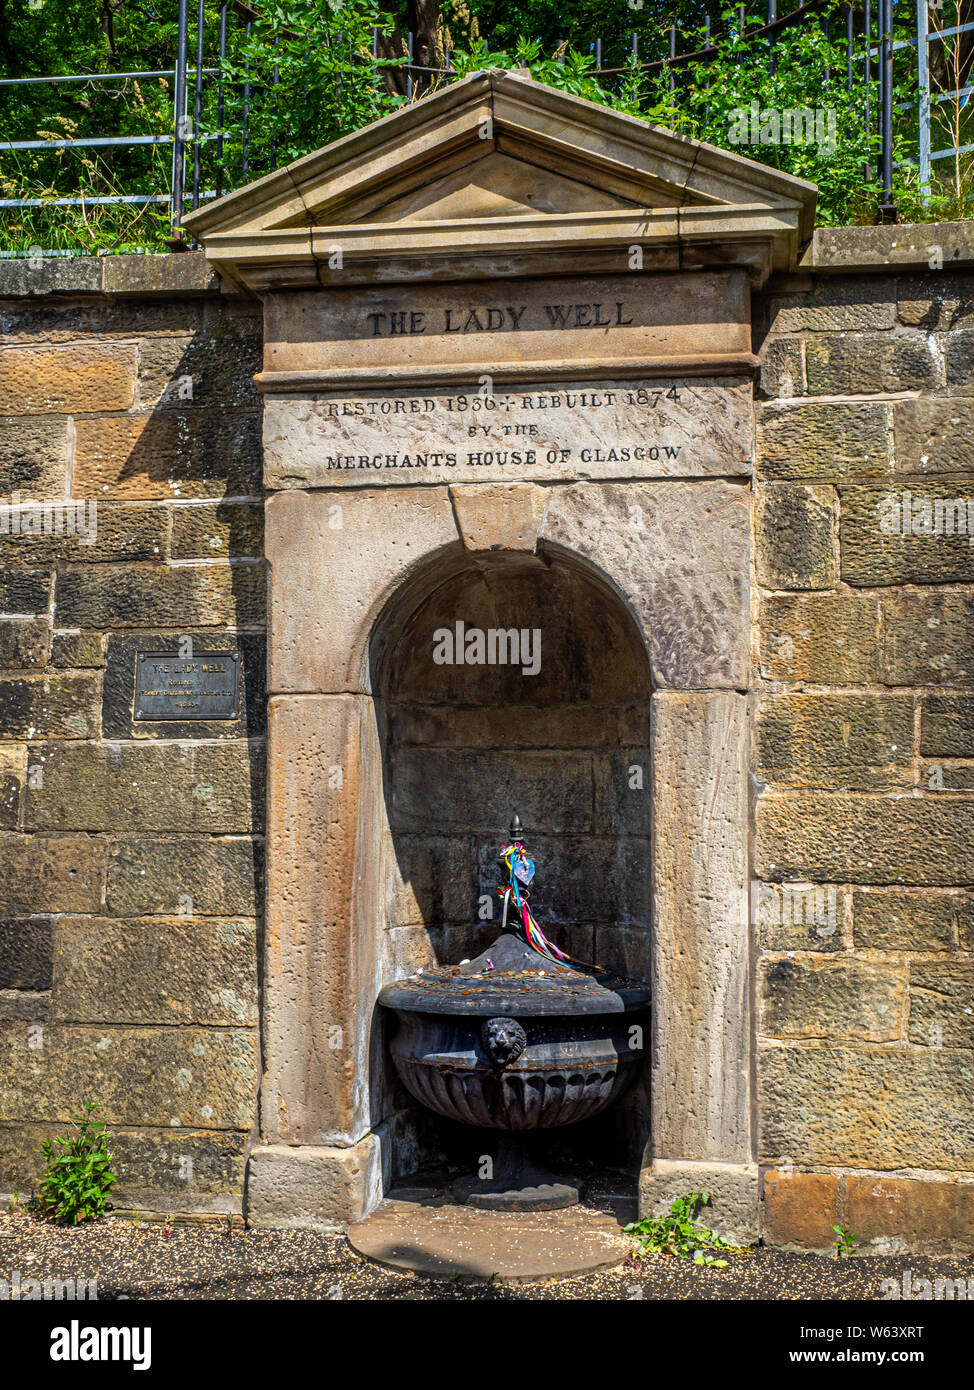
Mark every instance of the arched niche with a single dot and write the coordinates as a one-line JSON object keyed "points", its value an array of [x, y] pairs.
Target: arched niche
{"points": [[512, 681]]}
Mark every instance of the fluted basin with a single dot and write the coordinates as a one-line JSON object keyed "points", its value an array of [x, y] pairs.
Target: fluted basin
{"points": [[516, 1042]]}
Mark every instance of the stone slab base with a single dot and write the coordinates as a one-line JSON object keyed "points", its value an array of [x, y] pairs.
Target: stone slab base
{"points": [[517, 1248], [312, 1188], [735, 1208]]}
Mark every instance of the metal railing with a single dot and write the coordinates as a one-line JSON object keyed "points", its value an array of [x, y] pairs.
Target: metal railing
{"points": [[874, 47]]}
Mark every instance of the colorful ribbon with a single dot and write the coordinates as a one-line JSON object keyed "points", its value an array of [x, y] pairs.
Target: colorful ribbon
{"points": [[520, 870]]}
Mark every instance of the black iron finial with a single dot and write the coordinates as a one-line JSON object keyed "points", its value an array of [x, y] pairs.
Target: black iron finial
{"points": [[516, 827]]}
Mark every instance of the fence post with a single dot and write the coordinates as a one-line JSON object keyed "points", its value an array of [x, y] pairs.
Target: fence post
{"points": [[219, 101], [179, 123], [887, 209], [923, 101], [198, 104]]}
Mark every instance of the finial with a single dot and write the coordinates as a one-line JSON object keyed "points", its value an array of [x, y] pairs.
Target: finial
{"points": [[516, 827]]}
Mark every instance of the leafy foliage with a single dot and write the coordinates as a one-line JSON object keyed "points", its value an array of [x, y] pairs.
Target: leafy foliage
{"points": [[78, 1176], [679, 1234], [300, 73], [845, 1244], [306, 76]]}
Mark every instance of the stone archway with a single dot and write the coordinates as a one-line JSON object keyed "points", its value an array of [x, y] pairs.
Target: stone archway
{"points": [[326, 1155]]}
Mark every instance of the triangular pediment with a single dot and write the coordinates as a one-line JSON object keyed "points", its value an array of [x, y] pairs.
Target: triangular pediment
{"points": [[498, 158], [496, 185]]}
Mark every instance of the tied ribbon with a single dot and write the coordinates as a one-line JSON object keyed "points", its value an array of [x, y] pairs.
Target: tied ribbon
{"points": [[520, 870]]}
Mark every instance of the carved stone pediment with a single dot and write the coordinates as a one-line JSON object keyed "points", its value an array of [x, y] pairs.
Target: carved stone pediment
{"points": [[500, 175]]}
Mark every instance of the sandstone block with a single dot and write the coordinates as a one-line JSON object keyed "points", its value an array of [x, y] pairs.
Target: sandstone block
{"points": [[841, 837], [835, 740], [172, 970], [853, 364], [897, 920], [800, 1209], [42, 873], [827, 639], [942, 1003], [887, 1107], [837, 304], [828, 440], [78, 650], [680, 551], [922, 1214], [734, 1209], [156, 596], [159, 877], [873, 554], [199, 370], [70, 380], [814, 998], [502, 516], [947, 726], [361, 545], [312, 1188], [933, 435], [794, 537], [26, 953], [927, 638], [51, 705], [218, 529], [701, 1083], [24, 642], [169, 454], [171, 788], [33, 458], [782, 368], [194, 1078]]}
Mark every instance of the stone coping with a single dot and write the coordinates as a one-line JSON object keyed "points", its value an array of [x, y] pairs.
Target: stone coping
{"points": [[911, 246], [835, 250], [184, 272]]}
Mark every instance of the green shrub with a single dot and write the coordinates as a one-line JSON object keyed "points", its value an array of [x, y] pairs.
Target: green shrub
{"points": [[76, 1181]]}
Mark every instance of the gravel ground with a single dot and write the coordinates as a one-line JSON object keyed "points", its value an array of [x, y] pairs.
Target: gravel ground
{"points": [[148, 1260]]}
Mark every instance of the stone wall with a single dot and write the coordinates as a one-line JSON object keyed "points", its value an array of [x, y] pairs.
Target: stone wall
{"points": [[129, 852], [863, 749]]}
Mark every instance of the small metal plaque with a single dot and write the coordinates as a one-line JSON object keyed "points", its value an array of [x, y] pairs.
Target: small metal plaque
{"points": [[203, 686]]}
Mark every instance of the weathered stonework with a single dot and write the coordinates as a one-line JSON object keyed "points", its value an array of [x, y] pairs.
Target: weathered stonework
{"points": [[129, 956], [746, 764]]}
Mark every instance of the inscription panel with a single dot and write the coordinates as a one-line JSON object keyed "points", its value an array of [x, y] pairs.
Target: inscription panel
{"points": [[204, 686], [489, 325], [625, 429]]}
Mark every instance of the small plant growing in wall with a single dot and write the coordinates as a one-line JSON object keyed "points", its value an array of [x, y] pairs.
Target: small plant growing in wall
{"points": [[679, 1234], [78, 1176], [845, 1242]]}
